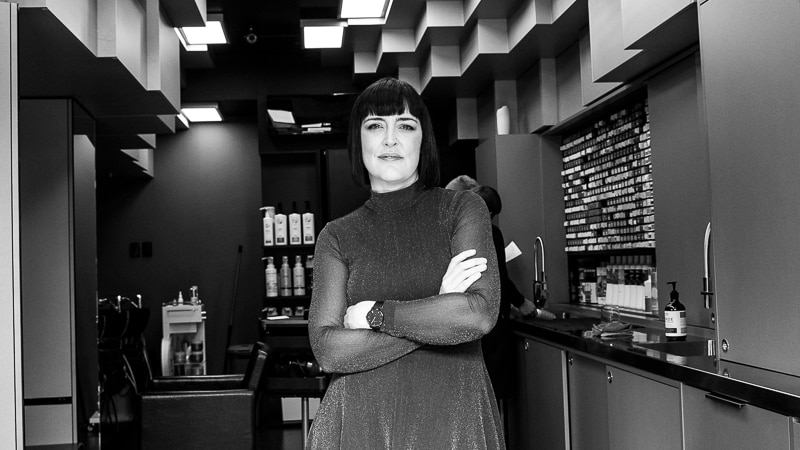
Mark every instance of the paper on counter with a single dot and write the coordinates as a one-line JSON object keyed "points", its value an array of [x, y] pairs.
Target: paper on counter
{"points": [[512, 251]]}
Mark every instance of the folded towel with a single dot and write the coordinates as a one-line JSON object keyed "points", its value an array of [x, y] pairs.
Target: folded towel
{"points": [[612, 330]]}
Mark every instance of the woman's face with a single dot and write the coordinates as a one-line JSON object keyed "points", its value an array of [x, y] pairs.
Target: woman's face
{"points": [[390, 147]]}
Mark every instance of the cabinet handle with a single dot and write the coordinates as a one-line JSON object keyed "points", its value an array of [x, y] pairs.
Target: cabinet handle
{"points": [[738, 404], [610, 377], [569, 360], [526, 346]]}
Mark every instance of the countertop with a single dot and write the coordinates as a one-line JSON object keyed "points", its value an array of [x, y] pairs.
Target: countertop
{"points": [[759, 387]]}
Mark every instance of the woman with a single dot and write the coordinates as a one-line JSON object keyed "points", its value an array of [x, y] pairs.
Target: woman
{"points": [[404, 288]]}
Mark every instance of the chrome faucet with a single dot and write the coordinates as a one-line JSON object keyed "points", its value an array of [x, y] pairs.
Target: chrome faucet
{"points": [[540, 276], [706, 292]]}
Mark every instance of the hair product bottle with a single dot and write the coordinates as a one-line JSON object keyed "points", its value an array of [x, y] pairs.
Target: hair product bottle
{"points": [[675, 316], [299, 276], [271, 275], [309, 273], [309, 234], [295, 231], [280, 226], [286, 278], [269, 221]]}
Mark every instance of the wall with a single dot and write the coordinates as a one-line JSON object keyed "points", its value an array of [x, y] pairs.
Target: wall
{"points": [[202, 204], [10, 319]]}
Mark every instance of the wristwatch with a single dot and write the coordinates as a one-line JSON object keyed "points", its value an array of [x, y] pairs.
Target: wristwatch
{"points": [[375, 316]]}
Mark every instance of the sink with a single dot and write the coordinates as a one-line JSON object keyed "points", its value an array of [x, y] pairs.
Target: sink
{"points": [[679, 348], [568, 325]]}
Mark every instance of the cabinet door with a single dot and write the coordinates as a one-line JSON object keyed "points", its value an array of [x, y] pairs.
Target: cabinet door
{"points": [[543, 394], [642, 412], [751, 86], [710, 422], [588, 417], [680, 172]]}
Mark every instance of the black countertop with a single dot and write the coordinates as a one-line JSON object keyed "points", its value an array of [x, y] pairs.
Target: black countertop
{"points": [[766, 389]]}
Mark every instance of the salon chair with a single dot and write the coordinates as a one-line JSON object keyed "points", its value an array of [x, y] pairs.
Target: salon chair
{"points": [[205, 411]]}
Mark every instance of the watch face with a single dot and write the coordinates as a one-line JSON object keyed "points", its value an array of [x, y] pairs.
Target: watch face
{"points": [[375, 318]]}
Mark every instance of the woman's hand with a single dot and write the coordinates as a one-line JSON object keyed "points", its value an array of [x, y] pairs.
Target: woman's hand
{"points": [[355, 318], [462, 272]]}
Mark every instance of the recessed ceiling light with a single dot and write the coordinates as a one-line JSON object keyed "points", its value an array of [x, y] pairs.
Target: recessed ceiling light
{"points": [[323, 33], [207, 112], [363, 9], [212, 33]]}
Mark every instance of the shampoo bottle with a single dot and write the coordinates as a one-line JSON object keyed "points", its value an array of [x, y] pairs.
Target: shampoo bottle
{"points": [[308, 225], [269, 221], [272, 278], [299, 276], [286, 278], [675, 316], [280, 226], [295, 231]]}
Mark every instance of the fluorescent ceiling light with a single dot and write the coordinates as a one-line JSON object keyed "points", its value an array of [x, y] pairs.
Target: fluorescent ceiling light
{"points": [[202, 113], [322, 33], [212, 33], [188, 47], [182, 119], [363, 9], [280, 116]]}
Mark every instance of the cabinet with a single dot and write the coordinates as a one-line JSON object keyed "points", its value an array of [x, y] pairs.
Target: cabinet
{"points": [[712, 421], [526, 171], [588, 414], [751, 89], [540, 417], [642, 412], [680, 172]]}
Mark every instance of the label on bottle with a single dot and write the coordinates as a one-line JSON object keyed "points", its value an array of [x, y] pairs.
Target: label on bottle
{"points": [[308, 228], [272, 285], [675, 323]]}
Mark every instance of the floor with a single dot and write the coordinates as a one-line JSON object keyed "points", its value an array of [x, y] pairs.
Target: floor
{"points": [[287, 437]]}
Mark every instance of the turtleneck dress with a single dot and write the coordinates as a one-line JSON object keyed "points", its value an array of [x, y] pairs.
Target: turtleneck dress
{"points": [[420, 381]]}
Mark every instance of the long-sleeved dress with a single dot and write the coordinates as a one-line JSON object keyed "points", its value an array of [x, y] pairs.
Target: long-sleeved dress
{"points": [[420, 382]]}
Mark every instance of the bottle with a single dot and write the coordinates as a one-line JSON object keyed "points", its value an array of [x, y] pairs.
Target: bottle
{"points": [[195, 299], [295, 228], [271, 277], [180, 297], [675, 316], [286, 278], [299, 276], [309, 273], [269, 221], [309, 233], [280, 226]]}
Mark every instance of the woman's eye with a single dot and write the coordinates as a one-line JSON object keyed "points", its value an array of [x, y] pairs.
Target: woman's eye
{"points": [[372, 125], [408, 126]]}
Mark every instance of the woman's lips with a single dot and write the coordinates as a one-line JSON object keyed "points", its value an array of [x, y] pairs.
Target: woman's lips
{"points": [[390, 157]]}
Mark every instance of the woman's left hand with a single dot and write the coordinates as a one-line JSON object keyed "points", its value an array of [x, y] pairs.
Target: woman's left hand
{"points": [[355, 318]]}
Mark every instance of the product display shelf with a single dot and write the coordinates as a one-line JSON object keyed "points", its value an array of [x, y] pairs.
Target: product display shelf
{"points": [[274, 305]]}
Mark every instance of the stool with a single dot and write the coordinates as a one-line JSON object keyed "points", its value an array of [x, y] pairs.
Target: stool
{"points": [[305, 388]]}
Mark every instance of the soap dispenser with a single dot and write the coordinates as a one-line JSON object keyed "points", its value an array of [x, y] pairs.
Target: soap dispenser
{"points": [[675, 316]]}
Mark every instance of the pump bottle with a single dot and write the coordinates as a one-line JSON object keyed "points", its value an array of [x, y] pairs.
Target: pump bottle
{"points": [[295, 231], [309, 273], [299, 276], [286, 278], [272, 278], [280, 226], [269, 221], [675, 316], [308, 225]]}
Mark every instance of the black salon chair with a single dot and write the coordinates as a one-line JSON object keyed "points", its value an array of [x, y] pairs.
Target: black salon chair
{"points": [[206, 411]]}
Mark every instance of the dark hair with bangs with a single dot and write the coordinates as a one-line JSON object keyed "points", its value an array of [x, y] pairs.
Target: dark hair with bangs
{"points": [[387, 97]]}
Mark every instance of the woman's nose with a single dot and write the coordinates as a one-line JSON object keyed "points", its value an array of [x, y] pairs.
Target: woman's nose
{"points": [[389, 139]]}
